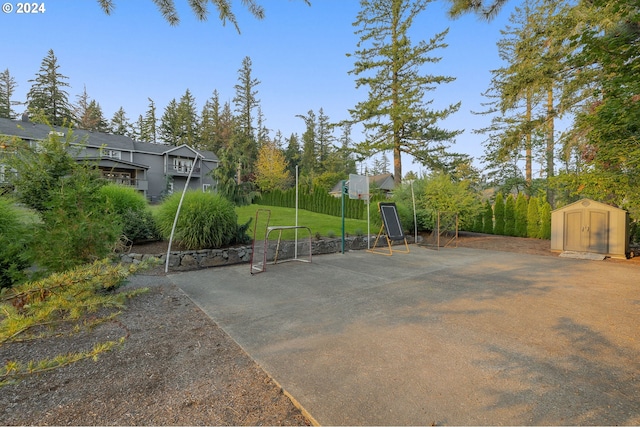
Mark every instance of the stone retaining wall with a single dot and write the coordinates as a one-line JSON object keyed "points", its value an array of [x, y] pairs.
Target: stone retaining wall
{"points": [[205, 258]]}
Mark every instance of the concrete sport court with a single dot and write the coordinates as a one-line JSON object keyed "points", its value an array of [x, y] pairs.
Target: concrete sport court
{"points": [[457, 336]]}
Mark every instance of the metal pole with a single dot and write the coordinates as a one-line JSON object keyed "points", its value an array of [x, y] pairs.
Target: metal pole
{"points": [[295, 250], [415, 220], [175, 220]]}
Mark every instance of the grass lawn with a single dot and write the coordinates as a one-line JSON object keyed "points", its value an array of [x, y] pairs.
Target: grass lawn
{"points": [[325, 225]]}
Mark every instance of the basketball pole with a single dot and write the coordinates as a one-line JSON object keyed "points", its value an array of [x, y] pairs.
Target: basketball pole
{"points": [[295, 248]]}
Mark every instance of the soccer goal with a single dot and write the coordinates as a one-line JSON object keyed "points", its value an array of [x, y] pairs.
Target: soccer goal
{"points": [[445, 231]]}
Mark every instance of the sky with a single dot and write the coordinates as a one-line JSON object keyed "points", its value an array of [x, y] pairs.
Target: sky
{"points": [[298, 54]]}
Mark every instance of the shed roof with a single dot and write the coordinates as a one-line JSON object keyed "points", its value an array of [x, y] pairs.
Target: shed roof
{"points": [[587, 203]]}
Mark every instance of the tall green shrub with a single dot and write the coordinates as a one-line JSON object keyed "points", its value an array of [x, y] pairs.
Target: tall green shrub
{"points": [[14, 243], [545, 220], [533, 218], [521, 215], [498, 214], [78, 224], [487, 218], [510, 216], [206, 220], [131, 207]]}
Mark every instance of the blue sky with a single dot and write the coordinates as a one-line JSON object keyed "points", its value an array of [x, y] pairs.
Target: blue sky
{"points": [[298, 54]]}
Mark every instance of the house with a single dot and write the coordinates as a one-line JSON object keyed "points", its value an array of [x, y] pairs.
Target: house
{"points": [[383, 183], [153, 169]]}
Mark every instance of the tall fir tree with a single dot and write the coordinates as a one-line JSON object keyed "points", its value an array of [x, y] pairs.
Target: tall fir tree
{"points": [[188, 121], [309, 159], [8, 86], [120, 124], [396, 115], [169, 129], [88, 114], [47, 97], [487, 218], [246, 101], [148, 127]]}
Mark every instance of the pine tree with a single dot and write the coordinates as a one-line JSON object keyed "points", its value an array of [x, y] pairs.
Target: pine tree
{"points": [[498, 212], [245, 102], [47, 98], [169, 129], [309, 159], [510, 216], [487, 218], [188, 121], [8, 86], [396, 116], [148, 127], [88, 114], [120, 124], [533, 218], [521, 216]]}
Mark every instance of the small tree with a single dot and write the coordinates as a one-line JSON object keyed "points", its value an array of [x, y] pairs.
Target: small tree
{"points": [[510, 216], [13, 245], [533, 218], [521, 216], [545, 219], [498, 213], [487, 219]]}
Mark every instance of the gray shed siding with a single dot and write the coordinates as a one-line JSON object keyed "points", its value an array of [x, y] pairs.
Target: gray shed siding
{"points": [[590, 226]]}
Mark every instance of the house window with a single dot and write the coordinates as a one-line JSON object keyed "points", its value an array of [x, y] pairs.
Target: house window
{"points": [[182, 165], [206, 188], [113, 154]]}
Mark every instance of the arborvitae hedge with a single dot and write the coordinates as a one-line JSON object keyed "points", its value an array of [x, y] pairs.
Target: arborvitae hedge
{"points": [[498, 214], [487, 219], [510, 216], [545, 220], [521, 215], [533, 218], [318, 200]]}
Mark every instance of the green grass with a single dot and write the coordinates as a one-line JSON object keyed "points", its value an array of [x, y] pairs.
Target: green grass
{"points": [[325, 225]]}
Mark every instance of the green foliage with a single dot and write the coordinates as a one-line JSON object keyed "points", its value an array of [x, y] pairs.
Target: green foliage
{"points": [[510, 216], [487, 218], [131, 207], [478, 221], [78, 224], [521, 216], [14, 241], [61, 304], [533, 218], [498, 213], [545, 220], [206, 220]]}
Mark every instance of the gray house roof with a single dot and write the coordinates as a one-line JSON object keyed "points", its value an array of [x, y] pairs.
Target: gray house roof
{"points": [[36, 131]]}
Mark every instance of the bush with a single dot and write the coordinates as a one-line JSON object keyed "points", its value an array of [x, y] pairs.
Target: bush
{"points": [[14, 257], [138, 224], [533, 218], [545, 220], [510, 216], [521, 216], [487, 219], [206, 220], [78, 225], [498, 212]]}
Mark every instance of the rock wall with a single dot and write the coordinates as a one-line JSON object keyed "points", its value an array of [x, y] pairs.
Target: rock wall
{"points": [[205, 258]]}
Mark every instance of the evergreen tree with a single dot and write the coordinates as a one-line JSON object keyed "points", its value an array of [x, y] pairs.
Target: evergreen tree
{"points": [[498, 212], [187, 120], [148, 127], [510, 216], [8, 86], [209, 123], [120, 124], [521, 215], [545, 220], [309, 159], [169, 130], [533, 218], [47, 97], [396, 116], [88, 114], [292, 153], [324, 139], [487, 218], [245, 102]]}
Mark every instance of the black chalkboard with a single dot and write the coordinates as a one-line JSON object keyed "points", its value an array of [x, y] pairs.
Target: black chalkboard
{"points": [[391, 221]]}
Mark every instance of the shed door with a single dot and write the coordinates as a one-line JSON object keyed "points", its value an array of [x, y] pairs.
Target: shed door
{"points": [[586, 231], [598, 232]]}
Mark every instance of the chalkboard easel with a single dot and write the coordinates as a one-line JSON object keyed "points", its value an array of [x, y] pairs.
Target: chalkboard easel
{"points": [[391, 229]]}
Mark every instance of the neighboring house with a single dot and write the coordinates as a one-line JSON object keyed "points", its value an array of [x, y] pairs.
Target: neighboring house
{"points": [[153, 169], [383, 183]]}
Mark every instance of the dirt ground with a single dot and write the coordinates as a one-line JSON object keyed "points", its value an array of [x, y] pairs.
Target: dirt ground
{"points": [[175, 368]]}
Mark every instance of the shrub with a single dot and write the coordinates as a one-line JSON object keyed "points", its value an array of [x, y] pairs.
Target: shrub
{"points": [[533, 218], [510, 216], [78, 225], [521, 216], [545, 220], [138, 224], [14, 257], [206, 220], [498, 213], [487, 218]]}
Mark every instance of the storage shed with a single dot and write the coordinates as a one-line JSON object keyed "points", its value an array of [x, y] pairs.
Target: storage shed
{"points": [[590, 226]]}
